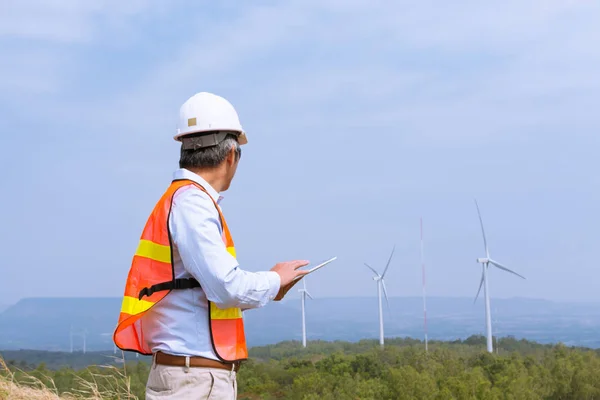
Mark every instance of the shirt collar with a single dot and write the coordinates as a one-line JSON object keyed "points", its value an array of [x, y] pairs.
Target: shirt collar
{"points": [[183, 173]]}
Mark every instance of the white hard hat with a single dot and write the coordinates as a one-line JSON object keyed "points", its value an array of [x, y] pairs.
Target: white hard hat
{"points": [[205, 112]]}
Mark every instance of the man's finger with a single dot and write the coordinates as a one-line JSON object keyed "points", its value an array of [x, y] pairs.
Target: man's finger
{"points": [[300, 263], [299, 275]]}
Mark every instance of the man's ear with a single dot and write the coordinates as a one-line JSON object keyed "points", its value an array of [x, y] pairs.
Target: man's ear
{"points": [[231, 156]]}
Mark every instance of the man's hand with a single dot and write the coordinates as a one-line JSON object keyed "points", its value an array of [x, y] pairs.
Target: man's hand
{"points": [[288, 272]]}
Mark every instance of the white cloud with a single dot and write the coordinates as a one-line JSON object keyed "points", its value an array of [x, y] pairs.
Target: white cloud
{"points": [[64, 21], [445, 70], [43, 41], [478, 62]]}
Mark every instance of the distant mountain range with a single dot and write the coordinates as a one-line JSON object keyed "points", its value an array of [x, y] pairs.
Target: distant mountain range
{"points": [[44, 323]]}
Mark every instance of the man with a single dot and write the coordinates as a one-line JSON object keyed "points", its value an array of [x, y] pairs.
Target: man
{"points": [[185, 291]]}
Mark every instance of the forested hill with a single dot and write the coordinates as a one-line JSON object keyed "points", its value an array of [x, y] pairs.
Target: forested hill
{"points": [[53, 360], [402, 370]]}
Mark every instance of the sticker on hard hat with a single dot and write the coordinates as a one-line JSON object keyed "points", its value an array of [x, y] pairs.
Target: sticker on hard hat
{"points": [[192, 121]]}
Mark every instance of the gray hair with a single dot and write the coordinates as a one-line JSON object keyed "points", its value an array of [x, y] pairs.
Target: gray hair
{"points": [[209, 157]]}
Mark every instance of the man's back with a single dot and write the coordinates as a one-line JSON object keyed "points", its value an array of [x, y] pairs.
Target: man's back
{"points": [[179, 324], [185, 292]]}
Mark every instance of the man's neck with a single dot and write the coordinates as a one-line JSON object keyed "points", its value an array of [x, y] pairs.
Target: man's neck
{"points": [[213, 176]]}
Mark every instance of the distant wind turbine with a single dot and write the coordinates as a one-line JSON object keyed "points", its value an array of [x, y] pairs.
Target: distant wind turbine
{"points": [[496, 324], [424, 294], [71, 337], [84, 339], [81, 333], [303, 294], [381, 285], [485, 262]]}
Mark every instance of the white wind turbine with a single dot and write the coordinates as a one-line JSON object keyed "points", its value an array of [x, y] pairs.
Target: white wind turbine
{"points": [[423, 286], [485, 262], [303, 294], [71, 337], [381, 285], [85, 332], [82, 333]]}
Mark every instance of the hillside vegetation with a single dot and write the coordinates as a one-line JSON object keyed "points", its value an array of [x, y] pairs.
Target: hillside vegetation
{"points": [[342, 370], [41, 385]]}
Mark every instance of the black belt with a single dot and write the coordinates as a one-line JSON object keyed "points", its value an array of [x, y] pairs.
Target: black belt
{"points": [[188, 283]]}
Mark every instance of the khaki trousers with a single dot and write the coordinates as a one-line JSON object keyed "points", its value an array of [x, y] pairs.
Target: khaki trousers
{"points": [[181, 383]]}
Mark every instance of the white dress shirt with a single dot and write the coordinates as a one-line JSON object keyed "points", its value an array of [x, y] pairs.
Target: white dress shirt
{"points": [[178, 324]]}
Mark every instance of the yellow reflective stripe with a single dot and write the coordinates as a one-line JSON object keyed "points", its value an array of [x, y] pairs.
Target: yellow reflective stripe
{"points": [[231, 250], [133, 306], [228, 313], [154, 251]]}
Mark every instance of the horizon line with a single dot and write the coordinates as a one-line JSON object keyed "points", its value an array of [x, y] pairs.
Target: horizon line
{"points": [[321, 297]]}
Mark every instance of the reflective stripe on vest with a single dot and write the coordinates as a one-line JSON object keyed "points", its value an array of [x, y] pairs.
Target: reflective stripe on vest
{"points": [[152, 264]]}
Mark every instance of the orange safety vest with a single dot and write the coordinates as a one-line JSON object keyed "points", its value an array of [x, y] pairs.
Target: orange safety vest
{"points": [[152, 277]]}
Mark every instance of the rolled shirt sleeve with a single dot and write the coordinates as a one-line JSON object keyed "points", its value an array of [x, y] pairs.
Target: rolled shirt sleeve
{"points": [[196, 232]]}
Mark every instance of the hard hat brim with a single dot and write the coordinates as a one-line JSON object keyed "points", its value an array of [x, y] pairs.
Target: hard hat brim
{"points": [[242, 138]]}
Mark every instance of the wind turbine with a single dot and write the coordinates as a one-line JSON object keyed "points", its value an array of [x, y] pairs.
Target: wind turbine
{"points": [[424, 295], [496, 324], [485, 262], [84, 339], [71, 338], [303, 294], [381, 284]]}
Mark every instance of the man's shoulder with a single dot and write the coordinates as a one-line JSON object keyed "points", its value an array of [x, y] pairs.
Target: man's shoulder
{"points": [[190, 196]]}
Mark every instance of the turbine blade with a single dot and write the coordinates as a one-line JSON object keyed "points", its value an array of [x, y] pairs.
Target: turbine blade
{"points": [[480, 285], [487, 253], [304, 283], [498, 265], [308, 294], [368, 266], [385, 294], [388, 263]]}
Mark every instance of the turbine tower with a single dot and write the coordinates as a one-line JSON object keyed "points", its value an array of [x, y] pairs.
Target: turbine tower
{"points": [[424, 294], [84, 339], [303, 294], [381, 285], [71, 338], [485, 263], [496, 324]]}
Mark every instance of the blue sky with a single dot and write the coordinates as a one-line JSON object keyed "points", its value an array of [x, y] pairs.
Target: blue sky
{"points": [[361, 116]]}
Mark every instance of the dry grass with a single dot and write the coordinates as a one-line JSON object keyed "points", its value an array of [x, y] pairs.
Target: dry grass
{"points": [[33, 389]]}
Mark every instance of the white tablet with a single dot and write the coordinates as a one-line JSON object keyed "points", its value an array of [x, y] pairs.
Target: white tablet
{"points": [[313, 269]]}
